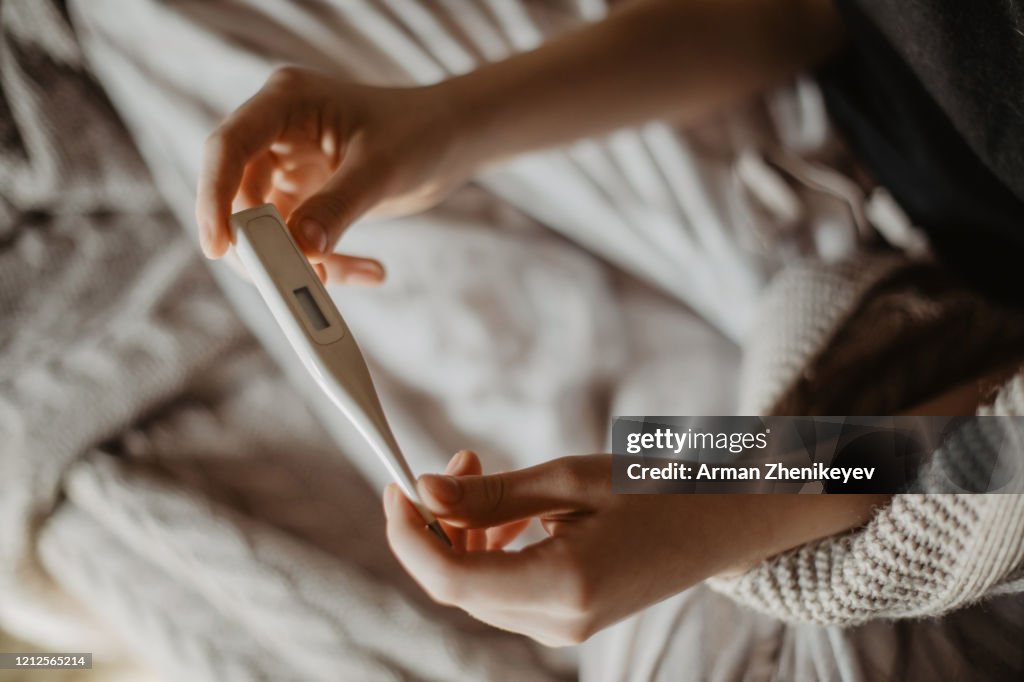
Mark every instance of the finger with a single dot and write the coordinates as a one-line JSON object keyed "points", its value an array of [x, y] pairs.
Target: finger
{"points": [[561, 486], [284, 201], [342, 269], [469, 580], [256, 183], [500, 536], [301, 179], [466, 463], [293, 182], [462, 463], [418, 554], [250, 130], [320, 271], [319, 221], [292, 154]]}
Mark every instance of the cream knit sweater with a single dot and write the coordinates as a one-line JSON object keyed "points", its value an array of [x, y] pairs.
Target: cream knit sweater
{"points": [[923, 554]]}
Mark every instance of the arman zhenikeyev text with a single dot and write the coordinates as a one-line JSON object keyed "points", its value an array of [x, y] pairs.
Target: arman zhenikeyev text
{"points": [[679, 471]]}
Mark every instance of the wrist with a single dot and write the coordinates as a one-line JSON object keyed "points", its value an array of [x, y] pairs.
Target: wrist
{"points": [[778, 523], [469, 110]]}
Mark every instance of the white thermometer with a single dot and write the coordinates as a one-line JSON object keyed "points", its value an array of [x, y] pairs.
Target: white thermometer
{"points": [[317, 332]]}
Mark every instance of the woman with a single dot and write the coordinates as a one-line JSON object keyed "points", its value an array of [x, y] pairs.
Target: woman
{"points": [[327, 152]]}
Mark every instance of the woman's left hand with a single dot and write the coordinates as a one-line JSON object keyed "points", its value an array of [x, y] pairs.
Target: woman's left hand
{"points": [[607, 555]]}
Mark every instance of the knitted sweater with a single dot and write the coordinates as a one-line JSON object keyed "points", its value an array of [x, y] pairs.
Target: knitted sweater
{"points": [[922, 554]]}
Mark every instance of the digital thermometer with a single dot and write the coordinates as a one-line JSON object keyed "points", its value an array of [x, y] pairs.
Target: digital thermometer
{"points": [[319, 335]]}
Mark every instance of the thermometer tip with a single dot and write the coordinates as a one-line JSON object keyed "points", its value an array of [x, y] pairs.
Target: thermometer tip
{"points": [[435, 528]]}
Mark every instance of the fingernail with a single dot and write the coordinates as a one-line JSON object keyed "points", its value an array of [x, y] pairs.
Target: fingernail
{"points": [[314, 237], [455, 463], [446, 489], [364, 272]]}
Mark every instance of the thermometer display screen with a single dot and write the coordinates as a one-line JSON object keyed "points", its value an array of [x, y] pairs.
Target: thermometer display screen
{"points": [[313, 313]]}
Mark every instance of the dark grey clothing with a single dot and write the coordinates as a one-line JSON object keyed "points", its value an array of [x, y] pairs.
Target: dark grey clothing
{"points": [[930, 94]]}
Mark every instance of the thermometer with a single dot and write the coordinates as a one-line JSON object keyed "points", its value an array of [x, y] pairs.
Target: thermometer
{"points": [[319, 335]]}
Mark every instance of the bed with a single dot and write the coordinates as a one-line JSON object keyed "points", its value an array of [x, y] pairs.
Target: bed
{"points": [[171, 485]]}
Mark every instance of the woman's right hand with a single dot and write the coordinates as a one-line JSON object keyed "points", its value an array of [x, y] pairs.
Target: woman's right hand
{"points": [[326, 152]]}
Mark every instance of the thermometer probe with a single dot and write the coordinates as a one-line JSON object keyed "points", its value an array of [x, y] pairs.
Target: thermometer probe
{"points": [[317, 332]]}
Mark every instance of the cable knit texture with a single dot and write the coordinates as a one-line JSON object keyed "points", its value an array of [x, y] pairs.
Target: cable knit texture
{"points": [[164, 491], [923, 554]]}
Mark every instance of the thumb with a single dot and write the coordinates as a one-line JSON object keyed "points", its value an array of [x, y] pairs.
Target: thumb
{"points": [[319, 221], [557, 487]]}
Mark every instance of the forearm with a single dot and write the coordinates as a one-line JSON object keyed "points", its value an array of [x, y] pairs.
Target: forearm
{"points": [[649, 59], [969, 540], [962, 547], [773, 524], [787, 521]]}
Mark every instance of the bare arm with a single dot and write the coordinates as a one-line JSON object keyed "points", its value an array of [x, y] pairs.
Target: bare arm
{"points": [[649, 59], [326, 151]]}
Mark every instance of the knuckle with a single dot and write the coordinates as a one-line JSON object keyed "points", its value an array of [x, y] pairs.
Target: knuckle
{"points": [[217, 144], [494, 491], [287, 75], [584, 477], [574, 476], [600, 470], [334, 205]]}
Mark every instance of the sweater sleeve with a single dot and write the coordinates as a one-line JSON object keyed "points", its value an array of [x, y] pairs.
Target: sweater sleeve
{"points": [[921, 555]]}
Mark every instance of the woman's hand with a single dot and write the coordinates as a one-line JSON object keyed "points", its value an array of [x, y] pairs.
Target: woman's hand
{"points": [[326, 152], [606, 557]]}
